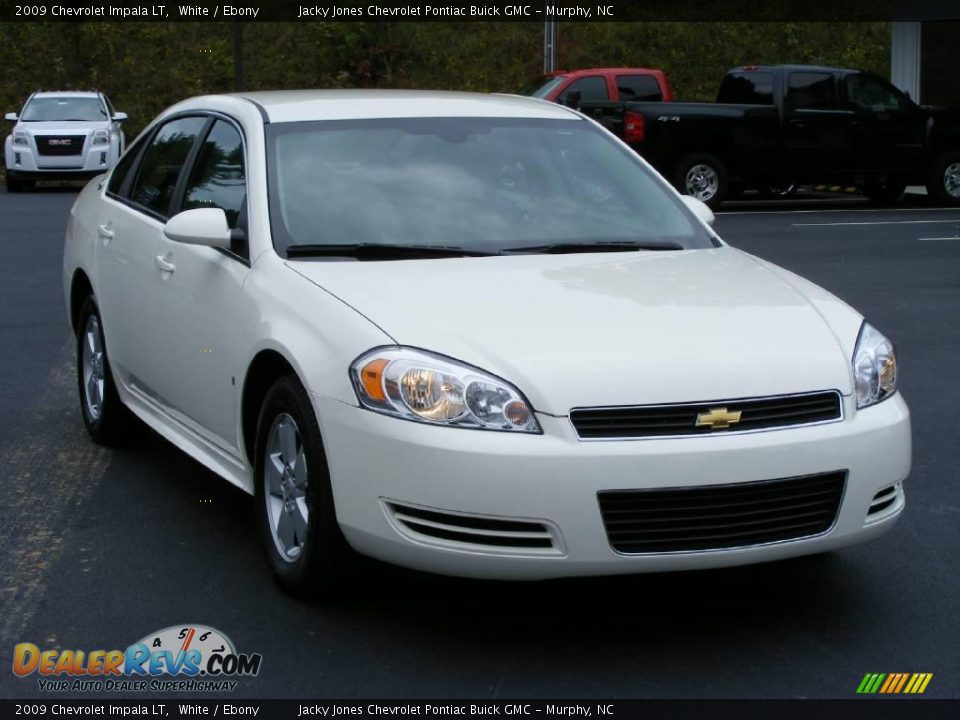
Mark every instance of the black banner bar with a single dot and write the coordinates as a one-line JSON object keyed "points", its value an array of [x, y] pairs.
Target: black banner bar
{"points": [[876, 709], [472, 10]]}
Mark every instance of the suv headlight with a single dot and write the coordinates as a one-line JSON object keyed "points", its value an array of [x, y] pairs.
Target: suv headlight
{"points": [[874, 367], [418, 385], [101, 137], [20, 138]]}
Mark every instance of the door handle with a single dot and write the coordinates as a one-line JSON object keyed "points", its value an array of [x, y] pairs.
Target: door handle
{"points": [[106, 233], [164, 264]]}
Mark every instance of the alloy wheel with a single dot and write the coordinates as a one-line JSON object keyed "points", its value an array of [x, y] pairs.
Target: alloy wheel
{"points": [[285, 477], [93, 362], [951, 180]]}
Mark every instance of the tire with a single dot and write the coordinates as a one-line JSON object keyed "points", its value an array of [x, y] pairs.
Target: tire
{"points": [[304, 546], [704, 177], [106, 418], [884, 193], [943, 182], [16, 186]]}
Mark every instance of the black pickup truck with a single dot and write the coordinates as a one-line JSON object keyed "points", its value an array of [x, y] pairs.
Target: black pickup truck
{"points": [[784, 125]]}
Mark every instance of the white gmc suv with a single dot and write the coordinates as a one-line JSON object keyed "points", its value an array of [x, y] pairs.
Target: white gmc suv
{"points": [[62, 136]]}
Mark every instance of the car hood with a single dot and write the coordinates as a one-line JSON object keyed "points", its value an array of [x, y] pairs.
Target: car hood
{"points": [[612, 329], [53, 128]]}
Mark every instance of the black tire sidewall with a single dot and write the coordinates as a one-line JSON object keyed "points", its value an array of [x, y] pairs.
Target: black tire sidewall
{"points": [[321, 564], [680, 178]]}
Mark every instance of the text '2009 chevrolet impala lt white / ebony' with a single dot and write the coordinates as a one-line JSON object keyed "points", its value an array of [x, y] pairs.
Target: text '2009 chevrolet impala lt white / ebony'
{"points": [[475, 335]]}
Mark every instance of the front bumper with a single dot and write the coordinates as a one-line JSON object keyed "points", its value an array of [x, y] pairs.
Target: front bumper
{"points": [[554, 479], [24, 162]]}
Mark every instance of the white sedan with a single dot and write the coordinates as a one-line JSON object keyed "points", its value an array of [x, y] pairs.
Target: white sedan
{"points": [[471, 334]]}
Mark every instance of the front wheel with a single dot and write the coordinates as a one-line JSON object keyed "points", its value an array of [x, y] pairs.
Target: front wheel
{"points": [[703, 177], [305, 549], [14, 185], [943, 183]]}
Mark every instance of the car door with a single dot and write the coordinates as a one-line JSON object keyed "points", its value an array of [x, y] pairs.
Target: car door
{"points": [[136, 205], [205, 315], [888, 129], [816, 131]]}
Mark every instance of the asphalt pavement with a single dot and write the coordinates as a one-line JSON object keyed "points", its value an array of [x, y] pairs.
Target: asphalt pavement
{"points": [[99, 548]]}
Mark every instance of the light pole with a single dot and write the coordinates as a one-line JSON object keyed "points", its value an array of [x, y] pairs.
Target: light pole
{"points": [[551, 33]]}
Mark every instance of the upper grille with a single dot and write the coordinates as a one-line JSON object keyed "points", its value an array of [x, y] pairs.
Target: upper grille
{"points": [[715, 517], [493, 533], [667, 420], [59, 144]]}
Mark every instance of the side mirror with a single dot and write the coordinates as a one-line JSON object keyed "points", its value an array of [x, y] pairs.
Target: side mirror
{"points": [[571, 99], [12, 117], [200, 226], [119, 116], [700, 209]]}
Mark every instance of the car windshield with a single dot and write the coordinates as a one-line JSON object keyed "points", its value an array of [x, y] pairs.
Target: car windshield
{"points": [[483, 185], [63, 109]]}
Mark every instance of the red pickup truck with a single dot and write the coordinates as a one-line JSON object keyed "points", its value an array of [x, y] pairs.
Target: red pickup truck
{"points": [[604, 85]]}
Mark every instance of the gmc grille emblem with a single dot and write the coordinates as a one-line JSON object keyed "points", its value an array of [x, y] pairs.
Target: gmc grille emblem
{"points": [[56, 141]]}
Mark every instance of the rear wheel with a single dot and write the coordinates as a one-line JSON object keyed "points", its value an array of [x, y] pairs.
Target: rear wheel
{"points": [[884, 192], [305, 549], [105, 416], [943, 183], [703, 177]]}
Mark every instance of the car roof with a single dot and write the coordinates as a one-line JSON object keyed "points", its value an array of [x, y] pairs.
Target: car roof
{"points": [[802, 68], [605, 71], [302, 105]]}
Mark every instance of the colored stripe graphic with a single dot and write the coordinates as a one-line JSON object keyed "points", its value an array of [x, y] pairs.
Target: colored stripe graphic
{"points": [[894, 683]]}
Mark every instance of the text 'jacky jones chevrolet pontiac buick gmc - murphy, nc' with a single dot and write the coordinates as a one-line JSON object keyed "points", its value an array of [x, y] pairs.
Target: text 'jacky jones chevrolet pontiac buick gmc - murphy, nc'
{"points": [[475, 335]]}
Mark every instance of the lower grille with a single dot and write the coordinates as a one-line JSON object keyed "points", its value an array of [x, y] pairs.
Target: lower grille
{"points": [[715, 517], [706, 418], [492, 533], [59, 144]]}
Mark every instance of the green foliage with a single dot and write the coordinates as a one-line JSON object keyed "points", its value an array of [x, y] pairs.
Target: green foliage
{"points": [[145, 67]]}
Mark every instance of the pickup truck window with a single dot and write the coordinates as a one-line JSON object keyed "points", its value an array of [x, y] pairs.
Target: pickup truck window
{"points": [[643, 88], [868, 93], [591, 89], [747, 88], [811, 91]]}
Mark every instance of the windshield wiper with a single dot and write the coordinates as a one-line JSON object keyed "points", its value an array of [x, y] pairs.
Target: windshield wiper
{"points": [[381, 251], [571, 247]]}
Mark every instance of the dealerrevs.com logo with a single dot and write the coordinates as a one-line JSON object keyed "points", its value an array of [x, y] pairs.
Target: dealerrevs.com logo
{"points": [[178, 658]]}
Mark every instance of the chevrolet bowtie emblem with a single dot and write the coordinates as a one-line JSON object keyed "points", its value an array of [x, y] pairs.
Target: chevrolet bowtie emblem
{"points": [[718, 418]]}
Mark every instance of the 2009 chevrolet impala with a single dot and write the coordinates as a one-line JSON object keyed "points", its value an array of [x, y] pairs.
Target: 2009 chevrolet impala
{"points": [[471, 334]]}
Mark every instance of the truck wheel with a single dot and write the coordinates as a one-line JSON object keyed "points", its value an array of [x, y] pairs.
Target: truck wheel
{"points": [[703, 177], [943, 184], [884, 193], [14, 185]]}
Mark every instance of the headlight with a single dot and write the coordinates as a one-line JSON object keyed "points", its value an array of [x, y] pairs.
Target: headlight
{"points": [[428, 388], [20, 138], [874, 367], [101, 137]]}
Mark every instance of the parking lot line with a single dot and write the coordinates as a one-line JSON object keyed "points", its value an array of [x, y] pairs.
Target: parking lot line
{"points": [[878, 222], [938, 238], [788, 211]]}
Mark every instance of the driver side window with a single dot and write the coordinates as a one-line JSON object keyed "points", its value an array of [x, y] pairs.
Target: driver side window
{"points": [[867, 93]]}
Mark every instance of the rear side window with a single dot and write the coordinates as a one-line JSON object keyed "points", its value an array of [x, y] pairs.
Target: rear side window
{"points": [[591, 89], [811, 91], [747, 88], [163, 162], [218, 178], [639, 87]]}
